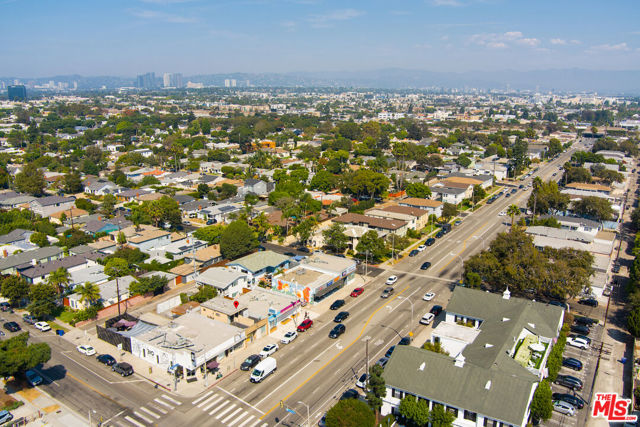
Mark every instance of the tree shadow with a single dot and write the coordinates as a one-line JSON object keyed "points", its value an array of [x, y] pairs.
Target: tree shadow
{"points": [[618, 335]]}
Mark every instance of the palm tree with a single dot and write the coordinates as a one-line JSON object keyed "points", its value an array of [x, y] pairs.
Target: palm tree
{"points": [[89, 292], [512, 211], [59, 279]]}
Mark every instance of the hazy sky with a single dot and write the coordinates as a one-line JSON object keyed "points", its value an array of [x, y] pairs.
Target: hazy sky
{"points": [[127, 37]]}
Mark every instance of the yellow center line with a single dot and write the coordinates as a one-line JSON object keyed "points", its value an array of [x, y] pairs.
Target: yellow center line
{"points": [[464, 245], [334, 357], [93, 388]]}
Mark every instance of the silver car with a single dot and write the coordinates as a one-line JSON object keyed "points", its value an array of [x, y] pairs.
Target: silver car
{"points": [[564, 407], [387, 291]]}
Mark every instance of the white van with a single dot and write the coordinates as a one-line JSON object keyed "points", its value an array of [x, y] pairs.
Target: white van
{"points": [[263, 370]]}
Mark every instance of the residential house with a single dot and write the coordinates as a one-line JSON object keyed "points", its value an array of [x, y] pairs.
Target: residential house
{"points": [[227, 281], [257, 187], [220, 213], [45, 206], [100, 187], [109, 292], [40, 272], [205, 256], [378, 224], [258, 264], [148, 240], [11, 264], [434, 207]]}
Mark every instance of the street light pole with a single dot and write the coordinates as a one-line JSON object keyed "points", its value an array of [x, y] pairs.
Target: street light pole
{"points": [[308, 417]]}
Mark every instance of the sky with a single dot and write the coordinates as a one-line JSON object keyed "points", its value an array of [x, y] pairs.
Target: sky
{"points": [[127, 37]]}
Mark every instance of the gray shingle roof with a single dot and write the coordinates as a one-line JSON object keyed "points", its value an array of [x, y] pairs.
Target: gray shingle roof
{"points": [[53, 200], [26, 257], [260, 260]]}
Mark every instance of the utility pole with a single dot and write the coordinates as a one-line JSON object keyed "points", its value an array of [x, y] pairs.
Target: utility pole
{"points": [[366, 364]]}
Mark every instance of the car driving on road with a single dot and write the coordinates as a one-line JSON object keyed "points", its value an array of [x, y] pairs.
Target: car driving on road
{"points": [[391, 280], [341, 316], [429, 296], [337, 304], [357, 292], [386, 292], [337, 330], [425, 265]]}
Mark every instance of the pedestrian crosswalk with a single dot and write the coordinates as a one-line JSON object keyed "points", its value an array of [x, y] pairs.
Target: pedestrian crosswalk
{"points": [[149, 414], [226, 411]]}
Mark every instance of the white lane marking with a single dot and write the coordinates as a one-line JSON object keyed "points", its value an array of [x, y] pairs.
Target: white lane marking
{"points": [[157, 409], [210, 399], [153, 414], [209, 393], [220, 406], [247, 420], [163, 403], [142, 417], [134, 422], [211, 403], [170, 399], [227, 409], [228, 417], [238, 418], [243, 401]]}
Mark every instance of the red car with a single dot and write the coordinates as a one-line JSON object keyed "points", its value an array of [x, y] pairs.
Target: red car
{"points": [[356, 292], [306, 324]]}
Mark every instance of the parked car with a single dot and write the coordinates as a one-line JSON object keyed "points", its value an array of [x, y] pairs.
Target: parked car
{"points": [[391, 280], [390, 351], [569, 398], [382, 362], [583, 320], [457, 222], [436, 310], [123, 369], [306, 324], [580, 329], [11, 326], [430, 241], [439, 234], [429, 296], [362, 381], [590, 301], [404, 341], [250, 362], [425, 265], [421, 248], [341, 316], [5, 417], [288, 337], [337, 304], [560, 304], [569, 381], [87, 350], [350, 394], [337, 330], [581, 337], [563, 407], [386, 292], [573, 363], [5, 306], [414, 252], [43, 326], [33, 377], [427, 319], [107, 359], [31, 320], [268, 350], [357, 292]]}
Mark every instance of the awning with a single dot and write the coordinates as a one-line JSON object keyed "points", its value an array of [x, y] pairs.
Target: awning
{"points": [[213, 365], [172, 368]]}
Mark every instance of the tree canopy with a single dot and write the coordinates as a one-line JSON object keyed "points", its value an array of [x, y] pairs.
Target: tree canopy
{"points": [[238, 239], [350, 413], [17, 355]]}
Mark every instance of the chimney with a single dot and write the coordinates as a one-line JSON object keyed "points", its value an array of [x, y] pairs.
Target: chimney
{"points": [[506, 294], [34, 262], [5, 253]]}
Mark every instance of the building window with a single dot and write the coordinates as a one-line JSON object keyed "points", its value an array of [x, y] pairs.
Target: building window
{"points": [[471, 416], [453, 411]]}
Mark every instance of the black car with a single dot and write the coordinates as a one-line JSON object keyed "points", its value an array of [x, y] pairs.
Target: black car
{"points": [[304, 250], [390, 351], [430, 241], [582, 320], [569, 381], [405, 341], [123, 369], [573, 363], [580, 329], [439, 234], [436, 309], [350, 394], [425, 265], [250, 362], [337, 304], [341, 316], [337, 330], [11, 326], [559, 304], [592, 302], [569, 398], [107, 359], [514, 191], [414, 252]]}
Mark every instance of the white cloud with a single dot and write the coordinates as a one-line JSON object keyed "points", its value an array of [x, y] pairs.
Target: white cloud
{"points": [[161, 16], [289, 25], [327, 19], [559, 42], [620, 47], [503, 40], [453, 3]]}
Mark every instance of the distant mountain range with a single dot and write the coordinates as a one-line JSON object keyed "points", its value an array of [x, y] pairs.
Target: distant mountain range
{"points": [[560, 80]]}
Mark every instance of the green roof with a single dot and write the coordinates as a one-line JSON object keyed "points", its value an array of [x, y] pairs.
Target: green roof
{"points": [[260, 260], [491, 392]]}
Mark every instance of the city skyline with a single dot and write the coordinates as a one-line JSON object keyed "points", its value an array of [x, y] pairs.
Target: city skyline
{"points": [[195, 37]]}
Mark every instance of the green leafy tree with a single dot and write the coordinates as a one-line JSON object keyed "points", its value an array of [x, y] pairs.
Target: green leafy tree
{"points": [[121, 239], [203, 190], [154, 284], [108, 203], [117, 267], [39, 239], [417, 189], [513, 211], [439, 417], [435, 347], [210, 234], [43, 299], [373, 246], [17, 355], [86, 205], [478, 193], [449, 210], [237, 240], [593, 207], [323, 181], [149, 180], [15, 288], [546, 198], [163, 210], [89, 292], [554, 146], [304, 230], [415, 412], [59, 279], [205, 293], [576, 174], [72, 183], [30, 180], [350, 413], [376, 387], [633, 320], [541, 405], [335, 238]]}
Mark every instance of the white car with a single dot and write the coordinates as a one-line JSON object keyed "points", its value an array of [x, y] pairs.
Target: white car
{"points": [[427, 318], [288, 337], [392, 280], [578, 342], [362, 381], [421, 248], [428, 296], [502, 213], [86, 350], [268, 350], [564, 407], [43, 326]]}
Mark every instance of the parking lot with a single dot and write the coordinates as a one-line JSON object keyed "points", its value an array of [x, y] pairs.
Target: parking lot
{"points": [[589, 359]]}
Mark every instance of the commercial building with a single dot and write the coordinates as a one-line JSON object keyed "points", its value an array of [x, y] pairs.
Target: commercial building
{"points": [[146, 81], [17, 93], [173, 80], [258, 264]]}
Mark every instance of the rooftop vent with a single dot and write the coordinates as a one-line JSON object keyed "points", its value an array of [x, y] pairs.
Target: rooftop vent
{"points": [[487, 386], [421, 368], [505, 319], [487, 345], [533, 325], [506, 294], [459, 361]]}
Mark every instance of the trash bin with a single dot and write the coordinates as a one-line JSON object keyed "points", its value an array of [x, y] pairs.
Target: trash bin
{"points": [[59, 332]]}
